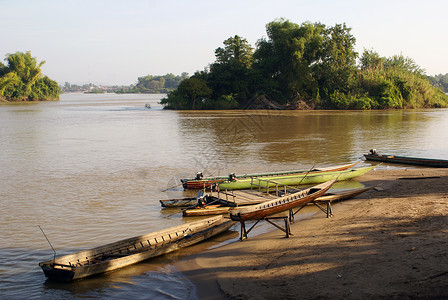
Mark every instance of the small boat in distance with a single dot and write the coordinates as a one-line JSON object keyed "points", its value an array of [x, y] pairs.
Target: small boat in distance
{"points": [[133, 250], [200, 182], [426, 162], [281, 204]]}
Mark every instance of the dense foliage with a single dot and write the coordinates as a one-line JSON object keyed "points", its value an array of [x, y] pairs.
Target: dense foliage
{"points": [[21, 79], [154, 84], [305, 66], [440, 81]]}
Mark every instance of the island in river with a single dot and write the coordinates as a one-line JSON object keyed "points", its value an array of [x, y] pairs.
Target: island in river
{"points": [[305, 66], [21, 79]]}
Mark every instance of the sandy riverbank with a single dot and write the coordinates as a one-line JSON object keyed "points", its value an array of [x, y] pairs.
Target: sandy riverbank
{"points": [[388, 242]]}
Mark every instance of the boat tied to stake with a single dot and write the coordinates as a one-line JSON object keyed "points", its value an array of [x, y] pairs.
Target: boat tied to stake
{"points": [[133, 250], [425, 162], [200, 182], [281, 204]]}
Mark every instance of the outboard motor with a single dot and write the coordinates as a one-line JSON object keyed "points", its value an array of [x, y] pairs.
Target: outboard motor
{"points": [[199, 176], [232, 177], [201, 198]]}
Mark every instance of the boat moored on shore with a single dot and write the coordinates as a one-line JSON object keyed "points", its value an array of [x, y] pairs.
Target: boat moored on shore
{"points": [[133, 250], [405, 160], [200, 182]]}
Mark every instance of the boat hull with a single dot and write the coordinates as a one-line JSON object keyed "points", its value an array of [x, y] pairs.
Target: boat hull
{"points": [[208, 211], [426, 162], [130, 251], [342, 195], [179, 202], [193, 212], [268, 208], [209, 181], [301, 179]]}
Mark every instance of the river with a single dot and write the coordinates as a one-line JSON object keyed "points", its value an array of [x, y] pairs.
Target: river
{"points": [[90, 169]]}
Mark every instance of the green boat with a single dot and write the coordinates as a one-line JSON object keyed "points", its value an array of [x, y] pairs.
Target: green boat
{"points": [[291, 180]]}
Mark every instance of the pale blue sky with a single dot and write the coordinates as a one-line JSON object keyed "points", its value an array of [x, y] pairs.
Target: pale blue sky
{"points": [[114, 42]]}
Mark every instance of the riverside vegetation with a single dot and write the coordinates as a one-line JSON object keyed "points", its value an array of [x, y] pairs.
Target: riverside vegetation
{"points": [[21, 79], [306, 66]]}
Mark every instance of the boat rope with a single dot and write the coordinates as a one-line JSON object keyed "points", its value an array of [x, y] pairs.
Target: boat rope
{"points": [[171, 187], [54, 251], [307, 173]]}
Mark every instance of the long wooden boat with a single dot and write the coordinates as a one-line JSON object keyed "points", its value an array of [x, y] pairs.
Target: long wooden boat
{"points": [[180, 202], [133, 250], [426, 162], [208, 210], [291, 180], [268, 208], [205, 182], [344, 195], [201, 197], [222, 209]]}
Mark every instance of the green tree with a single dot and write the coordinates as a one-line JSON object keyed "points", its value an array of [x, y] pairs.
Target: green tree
{"points": [[371, 60], [191, 94], [287, 56], [229, 75], [337, 65], [440, 81], [26, 67], [237, 50], [22, 79]]}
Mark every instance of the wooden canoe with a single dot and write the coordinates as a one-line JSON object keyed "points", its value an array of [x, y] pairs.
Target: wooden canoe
{"points": [[133, 250], [344, 195], [207, 210], [222, 209], [292, 180], [181, 202], [268, 208], [426, 162], [206, 182]]}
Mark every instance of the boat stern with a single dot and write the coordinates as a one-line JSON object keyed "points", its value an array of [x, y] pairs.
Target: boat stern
{"points": [[57, 274]]}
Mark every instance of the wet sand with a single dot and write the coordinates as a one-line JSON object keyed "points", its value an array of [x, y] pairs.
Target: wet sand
{"points": [[389, 242]]}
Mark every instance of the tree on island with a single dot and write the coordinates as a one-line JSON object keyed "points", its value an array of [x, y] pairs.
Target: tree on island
{"points": [[22, 79], [307, 66]]}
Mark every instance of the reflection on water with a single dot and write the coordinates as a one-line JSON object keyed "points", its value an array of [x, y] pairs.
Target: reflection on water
{"points": [[90, 170]]}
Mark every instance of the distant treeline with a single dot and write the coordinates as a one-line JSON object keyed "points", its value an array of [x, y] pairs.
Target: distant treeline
{"points": [[90, 88], [440, 81], [306, 66], [154, 84], [21, 79]]}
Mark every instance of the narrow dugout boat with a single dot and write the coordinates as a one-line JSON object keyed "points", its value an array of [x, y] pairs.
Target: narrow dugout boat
{"points": [[222, 209], [201, 197], [179, 202], [281, 204], [344, 195], [426, 162], [133, 250], [292, 180], [208, 210], [201, 182]]}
